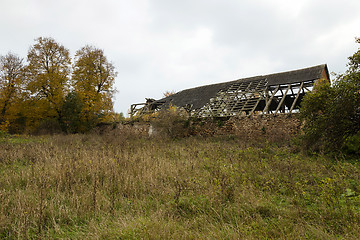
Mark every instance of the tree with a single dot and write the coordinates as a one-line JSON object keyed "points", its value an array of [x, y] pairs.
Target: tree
{"points": [[169, 93], [93, 80], [71, 112], [332, 112], [48, 70], [11, 83]]}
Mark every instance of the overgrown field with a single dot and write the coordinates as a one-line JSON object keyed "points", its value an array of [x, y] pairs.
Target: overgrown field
{"points": [[117, 187]]}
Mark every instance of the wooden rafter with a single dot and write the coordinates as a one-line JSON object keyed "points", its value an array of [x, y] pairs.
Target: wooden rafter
{"points": [[266, 109], [296, 98], [282, 99]]}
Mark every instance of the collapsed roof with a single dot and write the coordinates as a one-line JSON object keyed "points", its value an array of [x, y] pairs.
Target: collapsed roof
{"points": [[267, 94]]}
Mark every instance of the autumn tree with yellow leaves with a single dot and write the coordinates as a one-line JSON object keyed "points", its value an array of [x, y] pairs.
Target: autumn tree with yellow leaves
{"points": [[49, 92], [47, 74], [93, 80], [11, 84]]}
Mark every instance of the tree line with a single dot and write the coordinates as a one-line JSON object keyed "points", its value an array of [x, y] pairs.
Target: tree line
{"points": [[51, 92]]}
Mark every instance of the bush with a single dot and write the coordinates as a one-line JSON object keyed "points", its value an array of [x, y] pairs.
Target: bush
{"points": [[332, 112], [352, 144], [71, 114], [48, 127], [171, 122]]}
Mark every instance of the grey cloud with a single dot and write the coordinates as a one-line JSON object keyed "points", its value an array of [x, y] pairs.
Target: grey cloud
{"points": [[159, 45]]}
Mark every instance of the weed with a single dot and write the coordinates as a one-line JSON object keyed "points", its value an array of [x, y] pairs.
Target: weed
{"points": [[124, 186]]}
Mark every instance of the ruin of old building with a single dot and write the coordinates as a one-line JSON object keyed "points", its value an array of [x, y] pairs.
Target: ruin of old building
{"points": [[268, 94]]}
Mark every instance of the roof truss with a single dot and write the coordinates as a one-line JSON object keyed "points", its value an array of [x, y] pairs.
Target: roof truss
{"points": [[270, 94], [255, 98]]}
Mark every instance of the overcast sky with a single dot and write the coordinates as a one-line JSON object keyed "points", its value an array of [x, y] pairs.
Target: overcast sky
{"points": [[160, 45]]}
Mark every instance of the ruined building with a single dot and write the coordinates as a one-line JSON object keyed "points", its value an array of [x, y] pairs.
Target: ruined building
{"points": [[269, 94]]}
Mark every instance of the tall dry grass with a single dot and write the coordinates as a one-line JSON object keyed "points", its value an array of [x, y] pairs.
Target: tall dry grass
{"points": [[129, 187]]}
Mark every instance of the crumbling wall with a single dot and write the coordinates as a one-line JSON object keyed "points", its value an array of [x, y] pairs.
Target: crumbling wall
{"points": [[139, 129], [269, 127], [279, 128]]}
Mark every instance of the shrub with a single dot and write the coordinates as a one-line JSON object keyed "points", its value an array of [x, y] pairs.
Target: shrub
{"points": [[332, 112], [71, 114], [171, 122], [352, 144], [48, 127]]}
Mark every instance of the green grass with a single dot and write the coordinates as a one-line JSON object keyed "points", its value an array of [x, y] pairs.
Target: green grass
{"points": [[127, 187], [15, 139]]}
